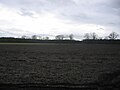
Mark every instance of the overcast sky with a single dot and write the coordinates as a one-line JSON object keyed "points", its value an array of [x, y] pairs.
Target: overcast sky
{"points": [[60, 16]]}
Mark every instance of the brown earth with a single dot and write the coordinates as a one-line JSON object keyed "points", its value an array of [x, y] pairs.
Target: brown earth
{"points": [[59, 63]]}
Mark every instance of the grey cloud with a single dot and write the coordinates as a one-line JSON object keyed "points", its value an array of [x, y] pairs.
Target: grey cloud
{"points": [[115, 3], [24, 12], [14, 32], [101, 12]]}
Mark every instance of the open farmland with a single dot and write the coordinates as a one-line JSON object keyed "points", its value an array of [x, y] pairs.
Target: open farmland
{"points": [[59, 63]]}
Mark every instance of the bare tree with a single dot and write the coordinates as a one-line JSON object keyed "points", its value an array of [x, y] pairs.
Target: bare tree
{"points": [[106, 37], [87, 36], [23, 37], [59, 37], [100, 38], [34, 37], [39, 37], [94, 36], [71, 36], [113, 35], [46, 38]]}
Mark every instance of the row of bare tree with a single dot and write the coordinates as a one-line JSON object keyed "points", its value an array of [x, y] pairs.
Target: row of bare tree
{"points": [[35, 37], [58, 37], [64, 37], [87, 36], [94, 36]]}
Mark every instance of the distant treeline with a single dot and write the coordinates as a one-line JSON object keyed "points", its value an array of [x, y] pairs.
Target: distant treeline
{"points": [[20, 40], [88, 41]]}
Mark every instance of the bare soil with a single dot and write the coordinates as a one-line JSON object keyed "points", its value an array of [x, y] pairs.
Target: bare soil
{"points": [[59, 63]]}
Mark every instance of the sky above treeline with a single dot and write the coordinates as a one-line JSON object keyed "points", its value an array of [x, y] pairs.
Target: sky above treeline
{"points": [[53, 17]]}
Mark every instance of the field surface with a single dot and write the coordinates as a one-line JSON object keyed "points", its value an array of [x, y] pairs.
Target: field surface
{"points": [[59, 63]]}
